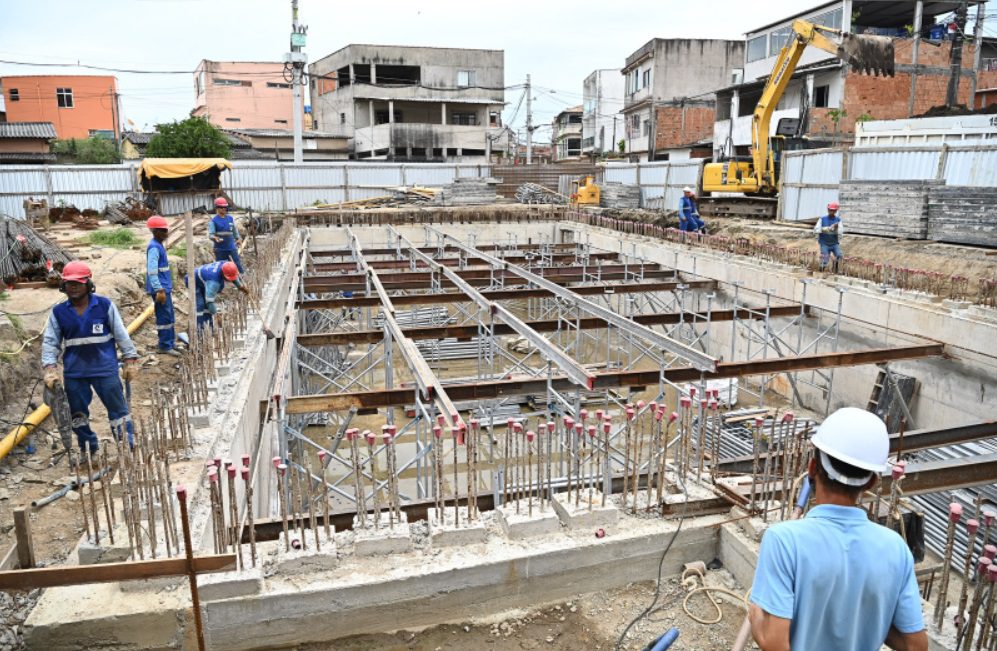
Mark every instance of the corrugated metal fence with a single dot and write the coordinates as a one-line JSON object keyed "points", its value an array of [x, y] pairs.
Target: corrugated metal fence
{"points": [[660, 183], [810, 178], [261, 186]]}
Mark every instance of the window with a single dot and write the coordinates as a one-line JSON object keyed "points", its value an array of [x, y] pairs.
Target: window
{"points": [[778, 39], [647, 78], [828, 19], [466, 119], [494, 119], [277, 84], [106, 134], [233, 119], [64, 97], [821, 96], [199, 82], [756, 48], [646, 131], [15, 95], [342, 118], [218, 81], [465, 78], [281, 121]]}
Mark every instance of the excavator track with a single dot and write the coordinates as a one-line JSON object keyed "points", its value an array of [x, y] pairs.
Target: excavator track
{"points": [[756, 207]]}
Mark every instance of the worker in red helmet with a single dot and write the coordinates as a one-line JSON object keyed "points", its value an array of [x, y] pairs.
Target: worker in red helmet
{"points": [[159, 284], [224, 234], [829, 230], [87, 329], [209, 281]]}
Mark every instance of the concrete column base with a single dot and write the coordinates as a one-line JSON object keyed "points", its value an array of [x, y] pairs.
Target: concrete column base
{"points": [[229, 585], [368, 541], [306, 559], [589, 513], [89, 553], [199, 419], [448, 534], [517, 526]]}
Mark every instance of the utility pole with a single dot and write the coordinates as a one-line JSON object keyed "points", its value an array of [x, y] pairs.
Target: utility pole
{"points": [[955, 59], [297, 59], [529, 122]]}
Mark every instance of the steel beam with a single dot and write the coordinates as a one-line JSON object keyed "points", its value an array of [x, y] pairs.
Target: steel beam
{"points": [[697, 358], [448, 262], [948, 474], [612, 379], [345, 253], [475, 277], [506, 294], [546, 325]]}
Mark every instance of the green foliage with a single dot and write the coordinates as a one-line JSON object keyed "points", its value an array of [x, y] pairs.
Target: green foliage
{"points": [[622, 145], [88, 151], [120, 238], [190, 138], [18, 325], [865, 117], [835, 115]]}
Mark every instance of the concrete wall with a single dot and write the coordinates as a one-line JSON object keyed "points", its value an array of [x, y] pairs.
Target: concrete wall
{"points": [[263, 100], [602, 102], [21, 145], [94, 102]]}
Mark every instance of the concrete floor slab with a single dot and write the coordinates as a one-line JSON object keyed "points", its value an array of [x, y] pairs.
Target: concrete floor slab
{"points": [[446, 533], [587, 513], [517, 526]]}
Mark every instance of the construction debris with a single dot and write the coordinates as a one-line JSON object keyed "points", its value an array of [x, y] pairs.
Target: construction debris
{"points": [[536, 193], [27, 255], [468, 192], [127, 211], [619, 195]]}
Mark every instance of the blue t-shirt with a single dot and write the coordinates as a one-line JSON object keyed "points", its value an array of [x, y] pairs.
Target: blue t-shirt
{"points": [[841, 579]]}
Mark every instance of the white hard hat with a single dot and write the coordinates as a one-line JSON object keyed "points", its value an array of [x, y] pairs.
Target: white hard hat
{"points": [[856, 437], [687, 189]]}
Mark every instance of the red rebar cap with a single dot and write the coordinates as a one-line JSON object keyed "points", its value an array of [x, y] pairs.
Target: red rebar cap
{"points": [[592, 429], [510, 421], [282, 468], [992, 573], [218, 462], [629, 405], [990, 551], [229, 463], [181, 491], [441, 420], [245, 473], [213, 474], [517, 427], [584, 413], [685, 401], [759, 422], [692, 391], [550, 426], [640, 404], [982, 563], [788, 416], [972, 525], [369, 435], [630, 414], [569, 422], [658, 413], [955, 512], [988, 518], [654, 405], [437, 431], [579, 427], [393, 430], [672, 417], [475, 424], [322, 454], [231, 471], [530, 435], [245, 459], [898, 470], [714, 405], [607, 426], [599, 414]]}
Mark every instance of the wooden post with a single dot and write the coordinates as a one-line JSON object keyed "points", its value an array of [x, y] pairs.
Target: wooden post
{"points": [[22, 532], [188, 221]]}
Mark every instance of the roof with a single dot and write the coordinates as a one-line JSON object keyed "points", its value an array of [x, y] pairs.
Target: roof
{"points": [[572, 109], [885, 14], [142, 138], [41, 130], [283, 133], [172, 168], [26, 157]]}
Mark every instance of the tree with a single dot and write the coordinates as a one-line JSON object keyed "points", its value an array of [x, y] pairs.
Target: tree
{"points": [[88, 151], [190, 138]]}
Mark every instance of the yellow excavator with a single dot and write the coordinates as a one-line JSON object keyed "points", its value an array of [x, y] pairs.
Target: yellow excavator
{"points": [[759, 173]]}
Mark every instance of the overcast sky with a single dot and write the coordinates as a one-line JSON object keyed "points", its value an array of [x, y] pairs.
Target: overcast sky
{"points": [[557, 41]]}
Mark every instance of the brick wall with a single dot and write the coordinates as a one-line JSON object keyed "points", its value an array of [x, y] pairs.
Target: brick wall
{"points": [[987, 82], [888, 98], [678, 126]]}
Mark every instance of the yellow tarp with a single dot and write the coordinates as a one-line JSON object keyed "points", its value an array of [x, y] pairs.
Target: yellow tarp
{"points": [[172, 168]]}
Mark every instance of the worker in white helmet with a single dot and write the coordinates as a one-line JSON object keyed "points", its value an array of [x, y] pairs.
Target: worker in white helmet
{"points": [[835, 580]]}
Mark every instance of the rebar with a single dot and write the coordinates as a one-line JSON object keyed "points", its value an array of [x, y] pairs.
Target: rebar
{"points": [[955, 514]]}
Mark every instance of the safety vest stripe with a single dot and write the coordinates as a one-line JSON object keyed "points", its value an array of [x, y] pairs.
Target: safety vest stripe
{"points": [[86, 341], [163, 270], [117, 422], [165, 326], [223, 233]]}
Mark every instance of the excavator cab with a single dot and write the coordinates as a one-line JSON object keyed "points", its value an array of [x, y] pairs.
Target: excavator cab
{"points": [[585, 192]]}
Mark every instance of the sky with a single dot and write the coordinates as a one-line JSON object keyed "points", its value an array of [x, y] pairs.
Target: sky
{"points": [[556, 41]]}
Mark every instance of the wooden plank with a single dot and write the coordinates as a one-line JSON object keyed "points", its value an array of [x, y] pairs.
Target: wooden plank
{"points": [[22, 532], [49, 577]]}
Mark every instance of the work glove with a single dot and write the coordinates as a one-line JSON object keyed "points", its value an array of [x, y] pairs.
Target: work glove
{"points": [[161, 296], [130, 370], [51, 376], [244, 289]]}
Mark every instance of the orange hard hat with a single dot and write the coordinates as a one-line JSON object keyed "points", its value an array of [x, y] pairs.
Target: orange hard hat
{"points": [[230, 271], [156, 221], [220, 202], [76, 271]]}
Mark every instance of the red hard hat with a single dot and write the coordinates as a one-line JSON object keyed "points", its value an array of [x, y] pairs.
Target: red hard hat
{"points": [[833, 205], [221, 202], [76, 271], [156, 221], [230, 271]]}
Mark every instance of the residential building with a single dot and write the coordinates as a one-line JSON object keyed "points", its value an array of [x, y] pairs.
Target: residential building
{"points": [[279, 143], [243, 94], [668, 93], [133, 144], [825, 94], [26, 142], [566, 134], [602, 116], [78, 106], [411, 103]]}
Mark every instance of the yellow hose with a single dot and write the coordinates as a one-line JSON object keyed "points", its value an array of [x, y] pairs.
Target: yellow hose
{"points": [[38, 416]]}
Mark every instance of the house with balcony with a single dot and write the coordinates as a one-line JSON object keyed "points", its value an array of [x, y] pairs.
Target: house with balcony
{"points": [[825, 98], [566, 134], [602, 119], [670, 82], [412, 103]]}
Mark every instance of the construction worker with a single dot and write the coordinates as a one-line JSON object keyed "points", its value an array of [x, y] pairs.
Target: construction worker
{"points": [[209, 280], [835, 579], [85, 329], [829, 230], [159, 284], [223, 232], [689, 219]]}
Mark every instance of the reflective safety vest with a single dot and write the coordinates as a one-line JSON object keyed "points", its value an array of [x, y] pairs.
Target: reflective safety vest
{"points": [[210, 272], [828, 239], [88, 348], [165, 277], [224, 229]]}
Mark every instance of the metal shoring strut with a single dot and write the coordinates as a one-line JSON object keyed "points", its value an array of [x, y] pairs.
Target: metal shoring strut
{"points": [[438, 472], [639, 449]]}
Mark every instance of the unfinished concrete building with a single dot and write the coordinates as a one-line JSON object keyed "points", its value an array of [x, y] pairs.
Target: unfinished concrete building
{"points": [[411, 103], [469, 411]]}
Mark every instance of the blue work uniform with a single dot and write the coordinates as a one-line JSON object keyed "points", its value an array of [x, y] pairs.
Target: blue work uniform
{"points": [[228, 248], [90, 363], [158, 276], [840, 579], [829, 242], [689, 215], [209, 281]]}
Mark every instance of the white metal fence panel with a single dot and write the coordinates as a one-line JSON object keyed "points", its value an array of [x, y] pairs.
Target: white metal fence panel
{"points": [[660, 183], [17, 183], [908, 164], [617, 173], [976, 166]]}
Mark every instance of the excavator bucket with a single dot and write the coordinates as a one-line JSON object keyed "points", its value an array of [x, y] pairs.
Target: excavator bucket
{"points": [[869, 54]]}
